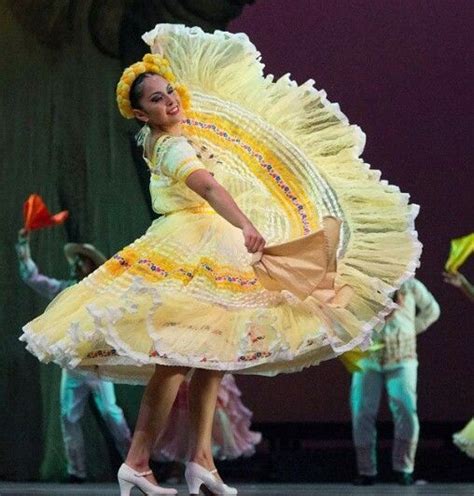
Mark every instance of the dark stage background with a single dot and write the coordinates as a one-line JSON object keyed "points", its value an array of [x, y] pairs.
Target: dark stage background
{"points": [[402, 70]]}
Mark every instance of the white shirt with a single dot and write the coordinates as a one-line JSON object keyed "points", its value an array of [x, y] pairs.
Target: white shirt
{"points": [[417, 310]]}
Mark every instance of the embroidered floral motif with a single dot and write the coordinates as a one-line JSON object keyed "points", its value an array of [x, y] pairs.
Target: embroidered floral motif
{"points": [[249, 357], [101, 353], [108, 353], [266, 166], [121, 260], [162, 267], [153, 267], [154, 353]]}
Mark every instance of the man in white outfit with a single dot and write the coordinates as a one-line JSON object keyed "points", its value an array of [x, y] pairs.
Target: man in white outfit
{"points": [[76, 385], [393, 366]]}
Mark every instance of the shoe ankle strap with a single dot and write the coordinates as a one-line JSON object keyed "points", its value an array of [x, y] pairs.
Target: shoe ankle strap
{"points": [[143, 474]]}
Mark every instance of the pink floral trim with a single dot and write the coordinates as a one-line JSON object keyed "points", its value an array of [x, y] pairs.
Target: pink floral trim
{"points": [[101, 353], [153, 267], [249, 357], [266, 166], [121, 260]]}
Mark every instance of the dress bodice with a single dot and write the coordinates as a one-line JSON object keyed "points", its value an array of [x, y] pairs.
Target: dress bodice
{"points": [[172, 160]]}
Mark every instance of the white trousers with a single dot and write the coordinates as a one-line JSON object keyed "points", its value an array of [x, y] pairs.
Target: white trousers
{"points": [[75, 390], [366, 390]]}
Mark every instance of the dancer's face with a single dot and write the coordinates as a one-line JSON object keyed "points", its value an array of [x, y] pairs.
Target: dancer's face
{"points": [[160, 103]]}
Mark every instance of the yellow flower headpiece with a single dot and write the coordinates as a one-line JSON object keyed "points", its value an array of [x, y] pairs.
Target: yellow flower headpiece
{"points": [[150, 63]]}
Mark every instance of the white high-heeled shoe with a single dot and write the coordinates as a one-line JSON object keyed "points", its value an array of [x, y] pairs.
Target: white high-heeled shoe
{"points": [[127, 478], [196, 476]]}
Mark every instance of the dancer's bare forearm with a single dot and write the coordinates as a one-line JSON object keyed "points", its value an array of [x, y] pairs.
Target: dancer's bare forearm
{"points": [[204, 184]]}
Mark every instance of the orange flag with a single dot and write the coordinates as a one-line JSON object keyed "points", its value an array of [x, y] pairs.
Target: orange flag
{"points": [[37, 216]]}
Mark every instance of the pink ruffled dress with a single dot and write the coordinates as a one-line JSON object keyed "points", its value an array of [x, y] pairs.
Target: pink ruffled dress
{"points": [[231, 434]]}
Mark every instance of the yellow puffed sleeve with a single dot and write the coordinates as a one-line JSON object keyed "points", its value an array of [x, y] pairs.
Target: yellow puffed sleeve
{"points": [[177, 159]]}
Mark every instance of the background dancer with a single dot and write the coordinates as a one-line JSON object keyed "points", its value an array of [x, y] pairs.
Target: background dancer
{"points": [[393, 367], [76, 385]]}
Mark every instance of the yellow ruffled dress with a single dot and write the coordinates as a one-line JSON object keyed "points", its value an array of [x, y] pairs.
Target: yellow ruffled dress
{"points": [[186, 292]]}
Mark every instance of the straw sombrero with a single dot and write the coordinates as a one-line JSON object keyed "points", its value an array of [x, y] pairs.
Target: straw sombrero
{"points": [[71, 250]]}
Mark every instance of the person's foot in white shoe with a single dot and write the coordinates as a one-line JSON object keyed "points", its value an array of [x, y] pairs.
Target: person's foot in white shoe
{"points": [[197, 476], [145, 481]]}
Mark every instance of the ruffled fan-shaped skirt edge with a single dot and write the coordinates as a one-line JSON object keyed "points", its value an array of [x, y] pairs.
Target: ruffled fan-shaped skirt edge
{"points": [[184, 294]]}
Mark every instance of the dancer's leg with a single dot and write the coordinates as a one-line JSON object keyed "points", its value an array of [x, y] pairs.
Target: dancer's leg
{"points": [[366, 391], [155, 407], [401, 389], [203, 391], [73, 399], [106, 402]]}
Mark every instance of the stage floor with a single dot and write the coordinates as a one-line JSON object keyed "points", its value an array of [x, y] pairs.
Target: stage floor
{"points": [[42, 489]]}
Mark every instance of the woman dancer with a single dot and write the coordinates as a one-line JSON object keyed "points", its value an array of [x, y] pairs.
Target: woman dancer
{"points": [[244, 152]]}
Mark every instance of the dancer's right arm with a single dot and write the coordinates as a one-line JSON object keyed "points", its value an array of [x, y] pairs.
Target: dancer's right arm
{"points": [[29, 273], [203, 183], [457, 280]]}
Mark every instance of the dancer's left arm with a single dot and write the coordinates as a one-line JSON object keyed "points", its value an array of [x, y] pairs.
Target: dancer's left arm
{"points": [[428, 307]]}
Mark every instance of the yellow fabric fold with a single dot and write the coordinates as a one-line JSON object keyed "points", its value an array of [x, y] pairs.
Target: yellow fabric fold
{"points": [[351, 359]]}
